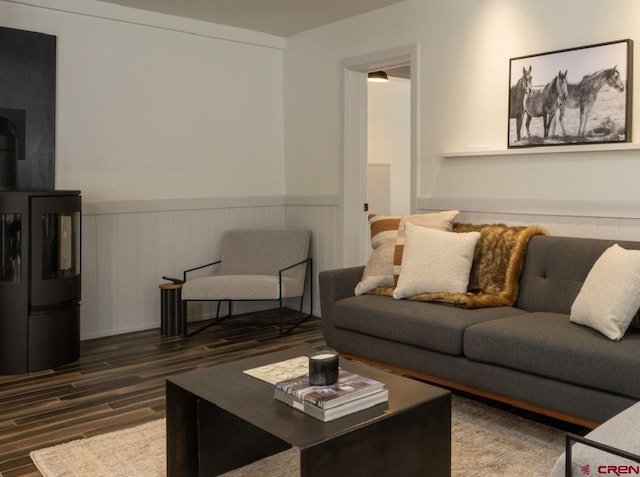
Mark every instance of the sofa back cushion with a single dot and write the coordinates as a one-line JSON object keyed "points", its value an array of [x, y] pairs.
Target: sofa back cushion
{"points": [[555, 269]]}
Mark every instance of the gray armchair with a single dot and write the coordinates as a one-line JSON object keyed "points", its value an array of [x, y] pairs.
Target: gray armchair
{"points": [[256, 265]]}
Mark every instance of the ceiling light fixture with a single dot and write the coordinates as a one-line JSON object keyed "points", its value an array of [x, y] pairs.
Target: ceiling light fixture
{"points": [[378, 77]]}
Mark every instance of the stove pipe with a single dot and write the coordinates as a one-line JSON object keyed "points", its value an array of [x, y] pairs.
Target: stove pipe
{"points": [[8, 155]]}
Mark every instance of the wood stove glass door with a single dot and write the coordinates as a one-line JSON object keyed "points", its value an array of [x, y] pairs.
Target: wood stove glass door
{"points": [[10, 246], [14, 286], [60, 253], [55, 261]]}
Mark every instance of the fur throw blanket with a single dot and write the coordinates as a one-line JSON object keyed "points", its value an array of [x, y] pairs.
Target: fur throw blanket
{"points": [[495, 274]]}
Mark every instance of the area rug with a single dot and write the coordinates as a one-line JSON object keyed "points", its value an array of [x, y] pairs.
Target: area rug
{"points": [[486, 441]]}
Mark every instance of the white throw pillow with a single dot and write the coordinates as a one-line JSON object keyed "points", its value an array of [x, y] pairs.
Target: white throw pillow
{"points": [[610, 295], [384, 232], [435, 261]]}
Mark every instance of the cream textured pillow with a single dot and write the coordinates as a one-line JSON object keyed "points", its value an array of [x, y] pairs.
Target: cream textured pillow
{"points": [[384, 232], [610, 295], [435, 261]]}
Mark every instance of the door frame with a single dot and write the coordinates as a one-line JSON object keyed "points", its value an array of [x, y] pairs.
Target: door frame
{"points": [[353, 174]]}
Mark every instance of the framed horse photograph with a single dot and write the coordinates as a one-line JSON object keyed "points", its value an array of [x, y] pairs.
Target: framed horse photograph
{"points": [[573, 96]]}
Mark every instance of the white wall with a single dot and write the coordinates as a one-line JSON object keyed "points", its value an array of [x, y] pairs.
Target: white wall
{"points": [[379, 188], [173, 131], [464, 51], [150, 106]]}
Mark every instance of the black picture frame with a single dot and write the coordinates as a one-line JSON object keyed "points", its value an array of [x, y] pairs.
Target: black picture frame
{"points": [[573, 96]]}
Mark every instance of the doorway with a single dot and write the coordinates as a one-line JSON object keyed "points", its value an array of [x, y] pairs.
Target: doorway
{"points": [[353, 188], [389, 142]]}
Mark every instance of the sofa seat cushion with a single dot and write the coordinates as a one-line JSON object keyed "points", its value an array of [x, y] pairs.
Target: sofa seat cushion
{"points": [[548, 344], [432, 326]]}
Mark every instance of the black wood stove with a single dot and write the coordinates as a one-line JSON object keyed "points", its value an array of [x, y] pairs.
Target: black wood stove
{"points": [[39, 279], [39, 226]]}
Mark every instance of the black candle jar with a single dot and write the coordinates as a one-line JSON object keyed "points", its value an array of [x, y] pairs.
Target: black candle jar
{"points": [[323, 368]]}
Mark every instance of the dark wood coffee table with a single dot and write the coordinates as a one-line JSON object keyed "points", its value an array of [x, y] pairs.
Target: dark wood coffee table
{"points": [[220, 419]]}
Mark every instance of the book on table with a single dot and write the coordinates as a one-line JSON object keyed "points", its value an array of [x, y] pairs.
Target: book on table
{"points": [[351, 393], [342, 410]]}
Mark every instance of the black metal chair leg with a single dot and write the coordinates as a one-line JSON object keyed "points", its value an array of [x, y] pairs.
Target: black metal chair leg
{"points": [[310, 315], [209, 325], [184, 319]]}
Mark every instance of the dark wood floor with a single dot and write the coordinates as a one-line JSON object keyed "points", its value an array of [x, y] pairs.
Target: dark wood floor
{"points": [[118, 382]]}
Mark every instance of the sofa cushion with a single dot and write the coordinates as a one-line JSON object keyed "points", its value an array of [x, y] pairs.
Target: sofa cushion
{"points": [[385, 232], [435, 220], [435, 261], [556, 267], [427, 325], [548, 344], [610, 296], [497, 263]]}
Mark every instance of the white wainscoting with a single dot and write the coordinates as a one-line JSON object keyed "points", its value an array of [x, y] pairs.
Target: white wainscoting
{"points": [[128, 246], [611, 228], [604, 219]]}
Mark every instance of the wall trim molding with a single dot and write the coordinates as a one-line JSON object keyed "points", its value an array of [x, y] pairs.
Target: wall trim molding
{"points": [[172, 205], [163, 205], [329, 199], [559, 207]]}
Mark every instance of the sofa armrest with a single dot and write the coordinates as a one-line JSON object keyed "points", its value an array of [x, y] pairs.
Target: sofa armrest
{"points": [[338, 284], [334, 286]]}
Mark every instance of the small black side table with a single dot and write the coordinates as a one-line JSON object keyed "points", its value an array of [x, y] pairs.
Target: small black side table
{"points": [[171, 309]]}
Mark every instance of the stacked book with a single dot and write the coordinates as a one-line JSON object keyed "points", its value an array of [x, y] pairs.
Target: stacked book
{"points": [[351, 393]]}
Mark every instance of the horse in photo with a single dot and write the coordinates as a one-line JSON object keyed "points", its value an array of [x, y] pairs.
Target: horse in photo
{"points": [[544, 103], [516, 98], [584, 94]]}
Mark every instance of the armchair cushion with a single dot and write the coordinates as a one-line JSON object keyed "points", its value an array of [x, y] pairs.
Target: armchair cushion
{"points": [[251, 264], [256, 265], [240, 287], [264, 252]]}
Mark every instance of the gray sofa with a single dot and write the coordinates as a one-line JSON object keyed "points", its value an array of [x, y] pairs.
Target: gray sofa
{"points": [[529, 354]]}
